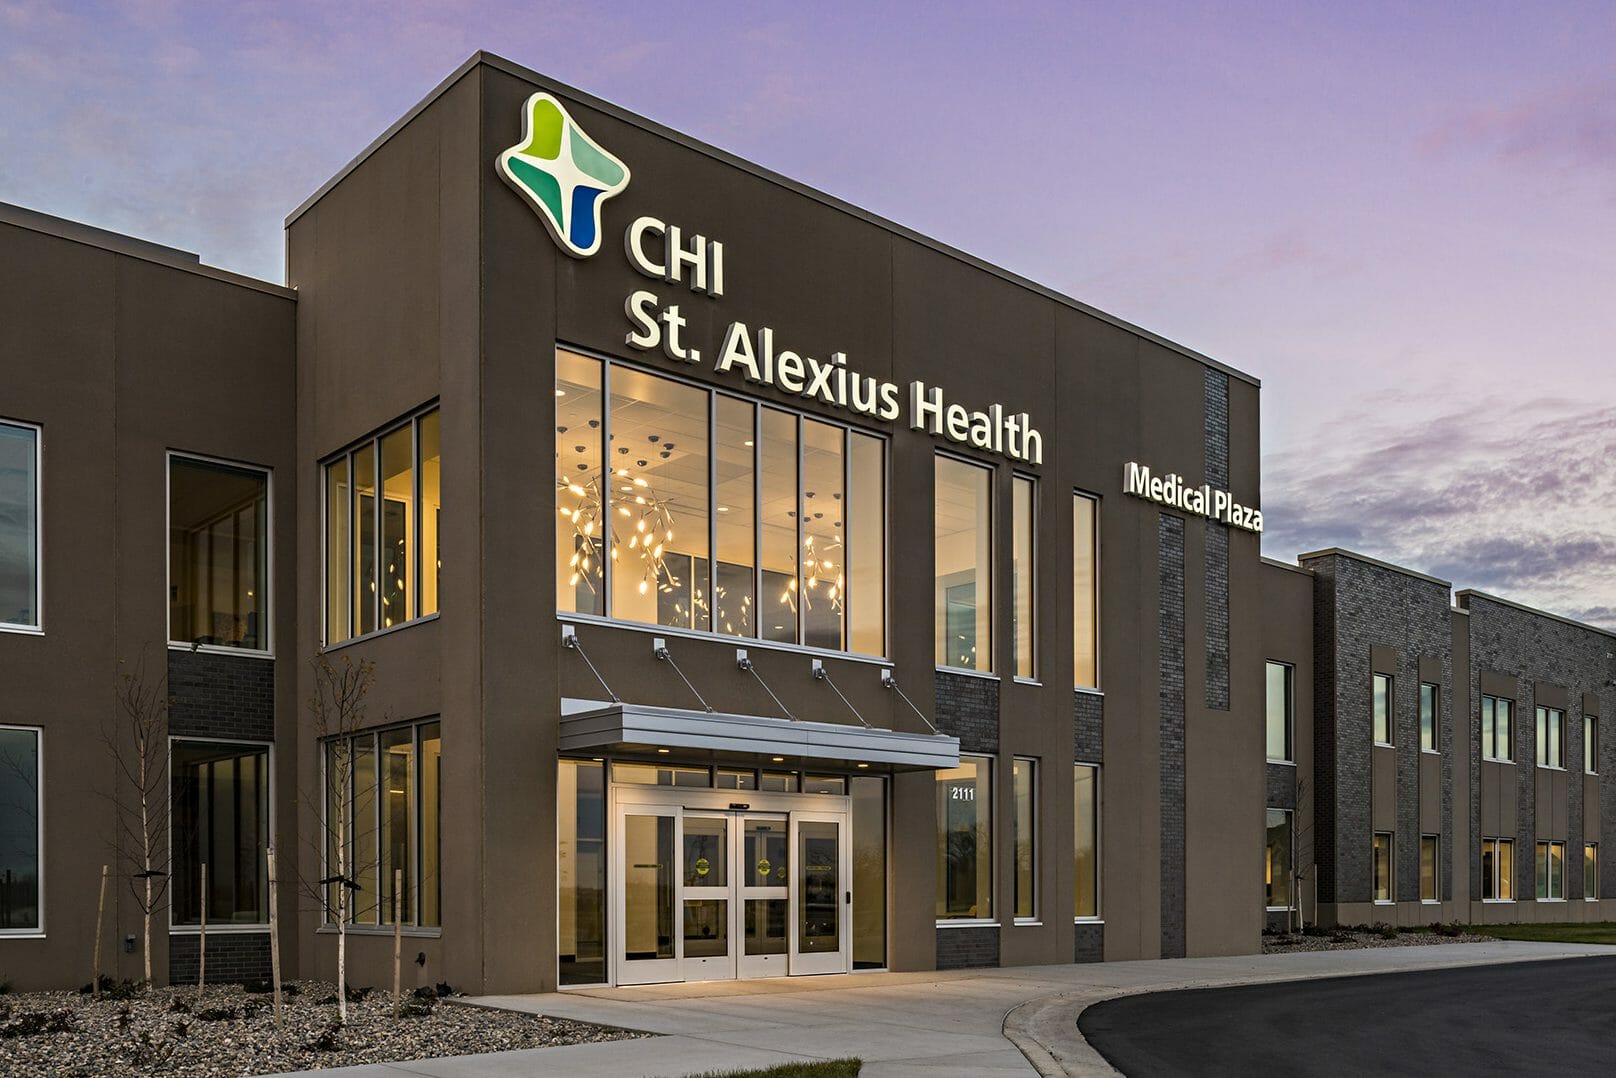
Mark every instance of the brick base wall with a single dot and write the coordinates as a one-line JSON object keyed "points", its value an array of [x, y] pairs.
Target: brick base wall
{"points": [[967, 948], [233, 957], [1089, 946]]}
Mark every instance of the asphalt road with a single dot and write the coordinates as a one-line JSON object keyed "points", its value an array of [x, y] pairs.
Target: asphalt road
{"points": [[1527, 1018]]}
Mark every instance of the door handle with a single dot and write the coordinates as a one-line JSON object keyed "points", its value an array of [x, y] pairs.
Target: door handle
{"points": [[849, 899]]}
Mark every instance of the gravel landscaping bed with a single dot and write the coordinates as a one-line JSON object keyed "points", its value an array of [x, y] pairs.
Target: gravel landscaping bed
{"points": [[231, 1031], [1347, 939]]}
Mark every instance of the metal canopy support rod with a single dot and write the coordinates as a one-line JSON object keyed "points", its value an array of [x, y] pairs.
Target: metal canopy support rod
{"points": [[890, 682], [821, 674], [569, 639], [659, 648], [744, 664]]}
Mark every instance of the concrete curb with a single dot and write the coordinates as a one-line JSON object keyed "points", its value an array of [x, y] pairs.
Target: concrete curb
{"points": [[1045, 1029]]}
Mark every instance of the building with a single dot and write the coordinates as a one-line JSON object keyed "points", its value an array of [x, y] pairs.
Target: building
{"points": [[752, 587]]}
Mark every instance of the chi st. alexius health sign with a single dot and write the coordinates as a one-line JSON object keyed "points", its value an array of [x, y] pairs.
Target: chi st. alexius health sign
{"points": [[567, 177], [1172, 491]]}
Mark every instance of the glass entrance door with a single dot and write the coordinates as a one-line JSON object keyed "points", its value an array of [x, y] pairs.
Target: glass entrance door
{"points": [[706, 898], [647, 856], [821, 893], [764, 873]]}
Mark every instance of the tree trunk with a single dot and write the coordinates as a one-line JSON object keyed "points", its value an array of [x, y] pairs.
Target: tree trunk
{"points": [[100, 916], [145, 865], [202, 939], [343, 897], [398, 931], [274, 939]]}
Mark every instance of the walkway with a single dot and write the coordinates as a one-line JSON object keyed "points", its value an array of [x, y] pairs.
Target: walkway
{"points": [[903, 1025]]}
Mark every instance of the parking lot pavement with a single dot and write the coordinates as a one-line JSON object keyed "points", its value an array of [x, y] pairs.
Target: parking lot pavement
{"points": [[1529, 1018]]}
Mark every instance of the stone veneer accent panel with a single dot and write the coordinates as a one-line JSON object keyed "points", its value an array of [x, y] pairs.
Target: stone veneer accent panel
{"points": [[1089, 943], [233, 957], [1088, 728], [1506, 639], [226, 696], [1170, 637], [1216, 552], [1281, 783], [968, 708], [967, 948]]}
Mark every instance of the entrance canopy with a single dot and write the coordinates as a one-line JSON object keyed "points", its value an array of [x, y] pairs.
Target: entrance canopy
{"points": [[587, 727]]}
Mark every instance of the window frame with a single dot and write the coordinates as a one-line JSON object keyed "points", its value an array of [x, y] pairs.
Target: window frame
{"points": [[987, 572], [268, 650], [1590, 745], [1391, 868], [1036, 916], [39, 931], [1497, 876], [1544, 889], [1490, 746], [1545, 719], [1435, 745], [38, 628], [1590, 889], [1290, 712], [1291, 855], [1375, 678], [1098, 916], [179, 928], [1098, 506], [412, 421], [1435, 843], [411, 927], [1034, 675], [989, 763]]}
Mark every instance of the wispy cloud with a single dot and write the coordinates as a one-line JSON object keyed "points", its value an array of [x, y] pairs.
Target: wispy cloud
{"points": [[1571, 126], [1513, 497]]}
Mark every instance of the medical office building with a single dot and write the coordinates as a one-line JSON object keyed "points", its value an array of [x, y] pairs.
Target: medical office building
{"points": [[753, 587]]}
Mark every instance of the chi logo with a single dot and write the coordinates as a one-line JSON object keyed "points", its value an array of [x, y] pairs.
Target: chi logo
{"points": [[564, 173]]}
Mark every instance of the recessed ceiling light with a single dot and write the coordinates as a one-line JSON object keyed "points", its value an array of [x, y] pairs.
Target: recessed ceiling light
{"points": [[663, 751], [561, 392], [778, 759], [723, 509], [748, 443], [864, 765]]}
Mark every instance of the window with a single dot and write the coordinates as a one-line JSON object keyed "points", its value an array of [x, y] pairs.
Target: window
{"points": [[1497, 869], [19, 526], [1590, 744], [1590, 871], [1384, 889], [392, 782], [869, 833], [685, 507], [382, 517], [963, 528], [1085, 590], [581, 871], [1279, 711], [21, 831], [1277, 875], [1024, 833], [220, 817], [218, 554], [1550, 871], [1550, 737], [1023, 574], [965, 840], [1086, 844], [1497, 720], [1430, 869], [1383, 707], [1430, 702]]}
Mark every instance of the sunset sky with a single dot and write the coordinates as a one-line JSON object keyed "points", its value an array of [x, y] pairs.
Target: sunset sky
{"points": [[1402, 218]]}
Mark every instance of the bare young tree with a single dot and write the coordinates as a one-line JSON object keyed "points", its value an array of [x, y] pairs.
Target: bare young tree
{"points": [[136, 736], [1301, 850], [338, 709]]}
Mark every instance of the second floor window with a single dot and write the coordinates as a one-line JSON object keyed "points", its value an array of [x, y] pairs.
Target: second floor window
{"points": [[1382, 706], [218, 554], [1550, 737], [1279, 711], [1023, 574], [964, 564], [1085, 590], [1430, 702], [1497, 723], [19, 525], [1590, 744]]}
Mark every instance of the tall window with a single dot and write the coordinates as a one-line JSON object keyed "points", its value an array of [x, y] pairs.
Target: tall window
{"points": [[1385, 890], [1277, 874], [220, 816], [1085, 590], [19, 526], [681, 506], [1590, 744], [393, 821], [1024, 828], [1550, 871], [1430, 701], [581, 871], [965, 840], [1383, 704], [1550, 737], [1590, 871], [964, 564], [1430, 869], [1279, 711], [21, 810], [1497, 729], [383, 507], [218, 554], [1086, 844], [1023, 574], [869, 833], [1497, 869]]}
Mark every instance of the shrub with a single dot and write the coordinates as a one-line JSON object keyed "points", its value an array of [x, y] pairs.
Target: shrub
{"points": [[218, 1014], [328, 1039], [5, 987], [357, 995], [179, 1006], [36, 1022], [1385, 931]]}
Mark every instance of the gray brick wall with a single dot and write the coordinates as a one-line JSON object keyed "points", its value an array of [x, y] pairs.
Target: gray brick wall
{"points": [[1507, 640], [1170, 637], [1089, 943], [967, 948], [1361, 606], [1216, 552], [233, 957], [1280, 780], [968, 708], [1088, 728], [228, 696]]}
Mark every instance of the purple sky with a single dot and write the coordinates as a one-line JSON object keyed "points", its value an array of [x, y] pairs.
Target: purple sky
{"points": [[1403, 221]]}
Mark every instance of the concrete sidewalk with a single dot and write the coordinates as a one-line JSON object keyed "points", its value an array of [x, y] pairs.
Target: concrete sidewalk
{"points": [[1019, 1021]]}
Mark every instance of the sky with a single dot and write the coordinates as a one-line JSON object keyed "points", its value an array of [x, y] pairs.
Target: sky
{"points": [[1401, 217]]}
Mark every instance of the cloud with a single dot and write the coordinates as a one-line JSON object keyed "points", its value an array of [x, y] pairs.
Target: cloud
{"points": [[1572, 126], [1511, 496]]}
